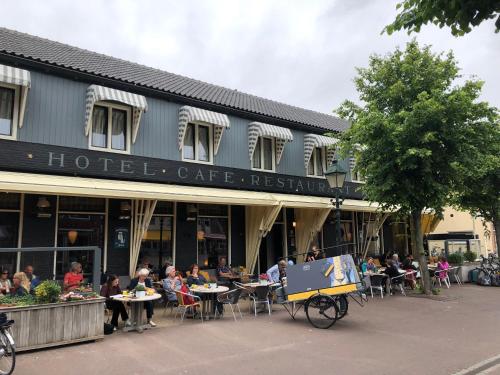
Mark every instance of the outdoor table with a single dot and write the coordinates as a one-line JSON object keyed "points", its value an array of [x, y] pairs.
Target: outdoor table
{"points": [[208, 297], [136, 310], [256, 284]]}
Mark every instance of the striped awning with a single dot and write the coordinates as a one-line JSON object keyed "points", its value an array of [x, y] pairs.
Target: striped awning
{"points": [[315, 140], [258, 129], [19, 77], [97, 93], [189, 114]]}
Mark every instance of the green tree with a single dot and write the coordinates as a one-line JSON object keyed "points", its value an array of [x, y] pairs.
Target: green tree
{"points": [[415, 129], [480, 194], [460, 15]]}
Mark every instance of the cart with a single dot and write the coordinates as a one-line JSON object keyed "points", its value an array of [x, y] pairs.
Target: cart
{"points": [[322, 289]]}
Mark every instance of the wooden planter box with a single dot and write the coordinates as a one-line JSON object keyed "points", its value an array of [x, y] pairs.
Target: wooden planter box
{"points": [[42, 326]]}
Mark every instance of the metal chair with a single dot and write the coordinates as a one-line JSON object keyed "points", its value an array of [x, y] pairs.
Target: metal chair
{"points": [[185, 306], [437, 277], [397, 281], [231, 299], [377, 282], [455, 271], [261, 296]]}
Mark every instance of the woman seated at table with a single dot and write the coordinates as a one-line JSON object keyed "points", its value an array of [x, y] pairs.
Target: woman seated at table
{"points": [[143, 279], [20, 285], [5, 283], [194, 276], [368, 266], [73, 278], [171, 284], [442, 265], [112, 288]]}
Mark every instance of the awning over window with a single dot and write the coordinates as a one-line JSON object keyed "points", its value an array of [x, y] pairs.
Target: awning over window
{"points": [[315, 140], [189, 114], [97, 93], [258, 129], [19, 77]]}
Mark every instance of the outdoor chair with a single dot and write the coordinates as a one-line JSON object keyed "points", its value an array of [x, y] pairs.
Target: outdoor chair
{"points": [[397, 283], [438, 276], [455, 272], [260, 296], [182, 307], [411, 278], [231, 299], [376, 282]]}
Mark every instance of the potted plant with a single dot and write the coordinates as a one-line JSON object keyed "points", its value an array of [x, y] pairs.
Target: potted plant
{"points": [[140, 291], [47, 291]]}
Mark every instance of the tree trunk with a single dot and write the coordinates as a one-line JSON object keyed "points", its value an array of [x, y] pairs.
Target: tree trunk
{"points": [[413, 243], [419, 243], [496, 224]]}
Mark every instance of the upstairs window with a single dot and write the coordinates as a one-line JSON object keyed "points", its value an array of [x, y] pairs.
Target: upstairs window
{"points": [[8, 111], [316, 167], [197, 143], [356, 176], [110, 128], [263, 155]]}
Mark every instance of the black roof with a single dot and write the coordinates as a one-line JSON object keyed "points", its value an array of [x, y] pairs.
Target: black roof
{"points": [[42, 50]]}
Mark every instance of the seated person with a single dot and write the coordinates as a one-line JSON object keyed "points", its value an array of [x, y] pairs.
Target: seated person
{"points": [[20, 285], [408, 263], [143, 279], [442, 265], [392, 271], [310, 257], [171, 283], [110, 288], [395, 261], [5, 283], [318, 254], [34, 280], [194, 277], [368, 266], [73, 278], [411, 277], [223, 271], [274, 273]]}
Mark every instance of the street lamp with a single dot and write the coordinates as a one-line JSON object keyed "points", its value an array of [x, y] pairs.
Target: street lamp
{"points": [[335, 175]]}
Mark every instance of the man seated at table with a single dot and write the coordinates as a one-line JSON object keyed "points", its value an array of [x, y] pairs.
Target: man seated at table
{"points": [[224, 273], [274, 273], [34, 280], [368, 266], [143, 279], [171, 284], [392, 271]]}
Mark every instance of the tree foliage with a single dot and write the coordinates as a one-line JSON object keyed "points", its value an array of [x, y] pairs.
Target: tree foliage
{"points": [[416, 128], [460, 15]]}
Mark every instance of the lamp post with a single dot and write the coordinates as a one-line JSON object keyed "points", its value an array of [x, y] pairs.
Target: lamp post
{"points": [[335, 175]]}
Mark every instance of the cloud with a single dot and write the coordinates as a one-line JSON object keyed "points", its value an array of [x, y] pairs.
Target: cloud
{"points": [[303, 52]]}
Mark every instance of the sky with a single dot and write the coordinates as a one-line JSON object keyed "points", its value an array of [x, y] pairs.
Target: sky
{"points": [[298, 52]]}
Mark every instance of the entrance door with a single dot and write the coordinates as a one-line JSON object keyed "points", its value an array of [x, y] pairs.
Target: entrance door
{"points": [[271, 248]]}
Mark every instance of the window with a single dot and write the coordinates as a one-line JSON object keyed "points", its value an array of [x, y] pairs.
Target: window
{"points": [[263, 155], [355, 175], [8, 111], [316, 165], [212, 234], [110, 128], [197, 143]]}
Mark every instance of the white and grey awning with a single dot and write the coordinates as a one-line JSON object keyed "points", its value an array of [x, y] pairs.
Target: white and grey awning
{"points": [[315, 140], [258, 129], [97, 93], [189, 114], [18, 77]]}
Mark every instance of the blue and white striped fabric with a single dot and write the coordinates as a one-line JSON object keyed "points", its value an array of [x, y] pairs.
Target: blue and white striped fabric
{"points": [[189, 114], [97, 93], [312, 141], [259, 129], [18, 77]]}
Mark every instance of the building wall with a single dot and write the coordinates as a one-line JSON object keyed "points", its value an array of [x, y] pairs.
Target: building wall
{"points": [[55, 114], [460, 221]]}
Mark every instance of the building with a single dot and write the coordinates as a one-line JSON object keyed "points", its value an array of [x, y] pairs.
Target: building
{"points": [[459, 232], [143, 163]]}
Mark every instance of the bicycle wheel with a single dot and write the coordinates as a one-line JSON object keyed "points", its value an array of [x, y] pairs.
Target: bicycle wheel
{"points": [[7, 355], [321, 311], [343, 305]]}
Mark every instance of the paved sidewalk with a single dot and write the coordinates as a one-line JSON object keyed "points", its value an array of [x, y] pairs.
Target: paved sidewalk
{"points": [[396, 335]]}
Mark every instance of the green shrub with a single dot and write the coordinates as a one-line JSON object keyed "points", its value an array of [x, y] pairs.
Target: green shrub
{"points": [[17, 300], [456, 258], [436, 291], [470, 256], [47, 292], [140, 288]]}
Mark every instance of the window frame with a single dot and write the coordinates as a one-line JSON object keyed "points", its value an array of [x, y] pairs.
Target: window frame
{"points": [[15, 110], [197, 125], [110, 106], [323, 162], [262, 161], [356, 176]]}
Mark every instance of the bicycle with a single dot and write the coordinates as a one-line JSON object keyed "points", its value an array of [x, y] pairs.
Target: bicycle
{"points": [[7, 346]]}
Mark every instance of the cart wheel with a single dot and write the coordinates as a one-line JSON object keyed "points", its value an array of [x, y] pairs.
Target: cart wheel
{"points": [[343, 305], [321, 311]]}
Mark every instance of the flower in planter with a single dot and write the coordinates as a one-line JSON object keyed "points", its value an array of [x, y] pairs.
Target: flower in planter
{"points": [[263, 276], [47, 291]]}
